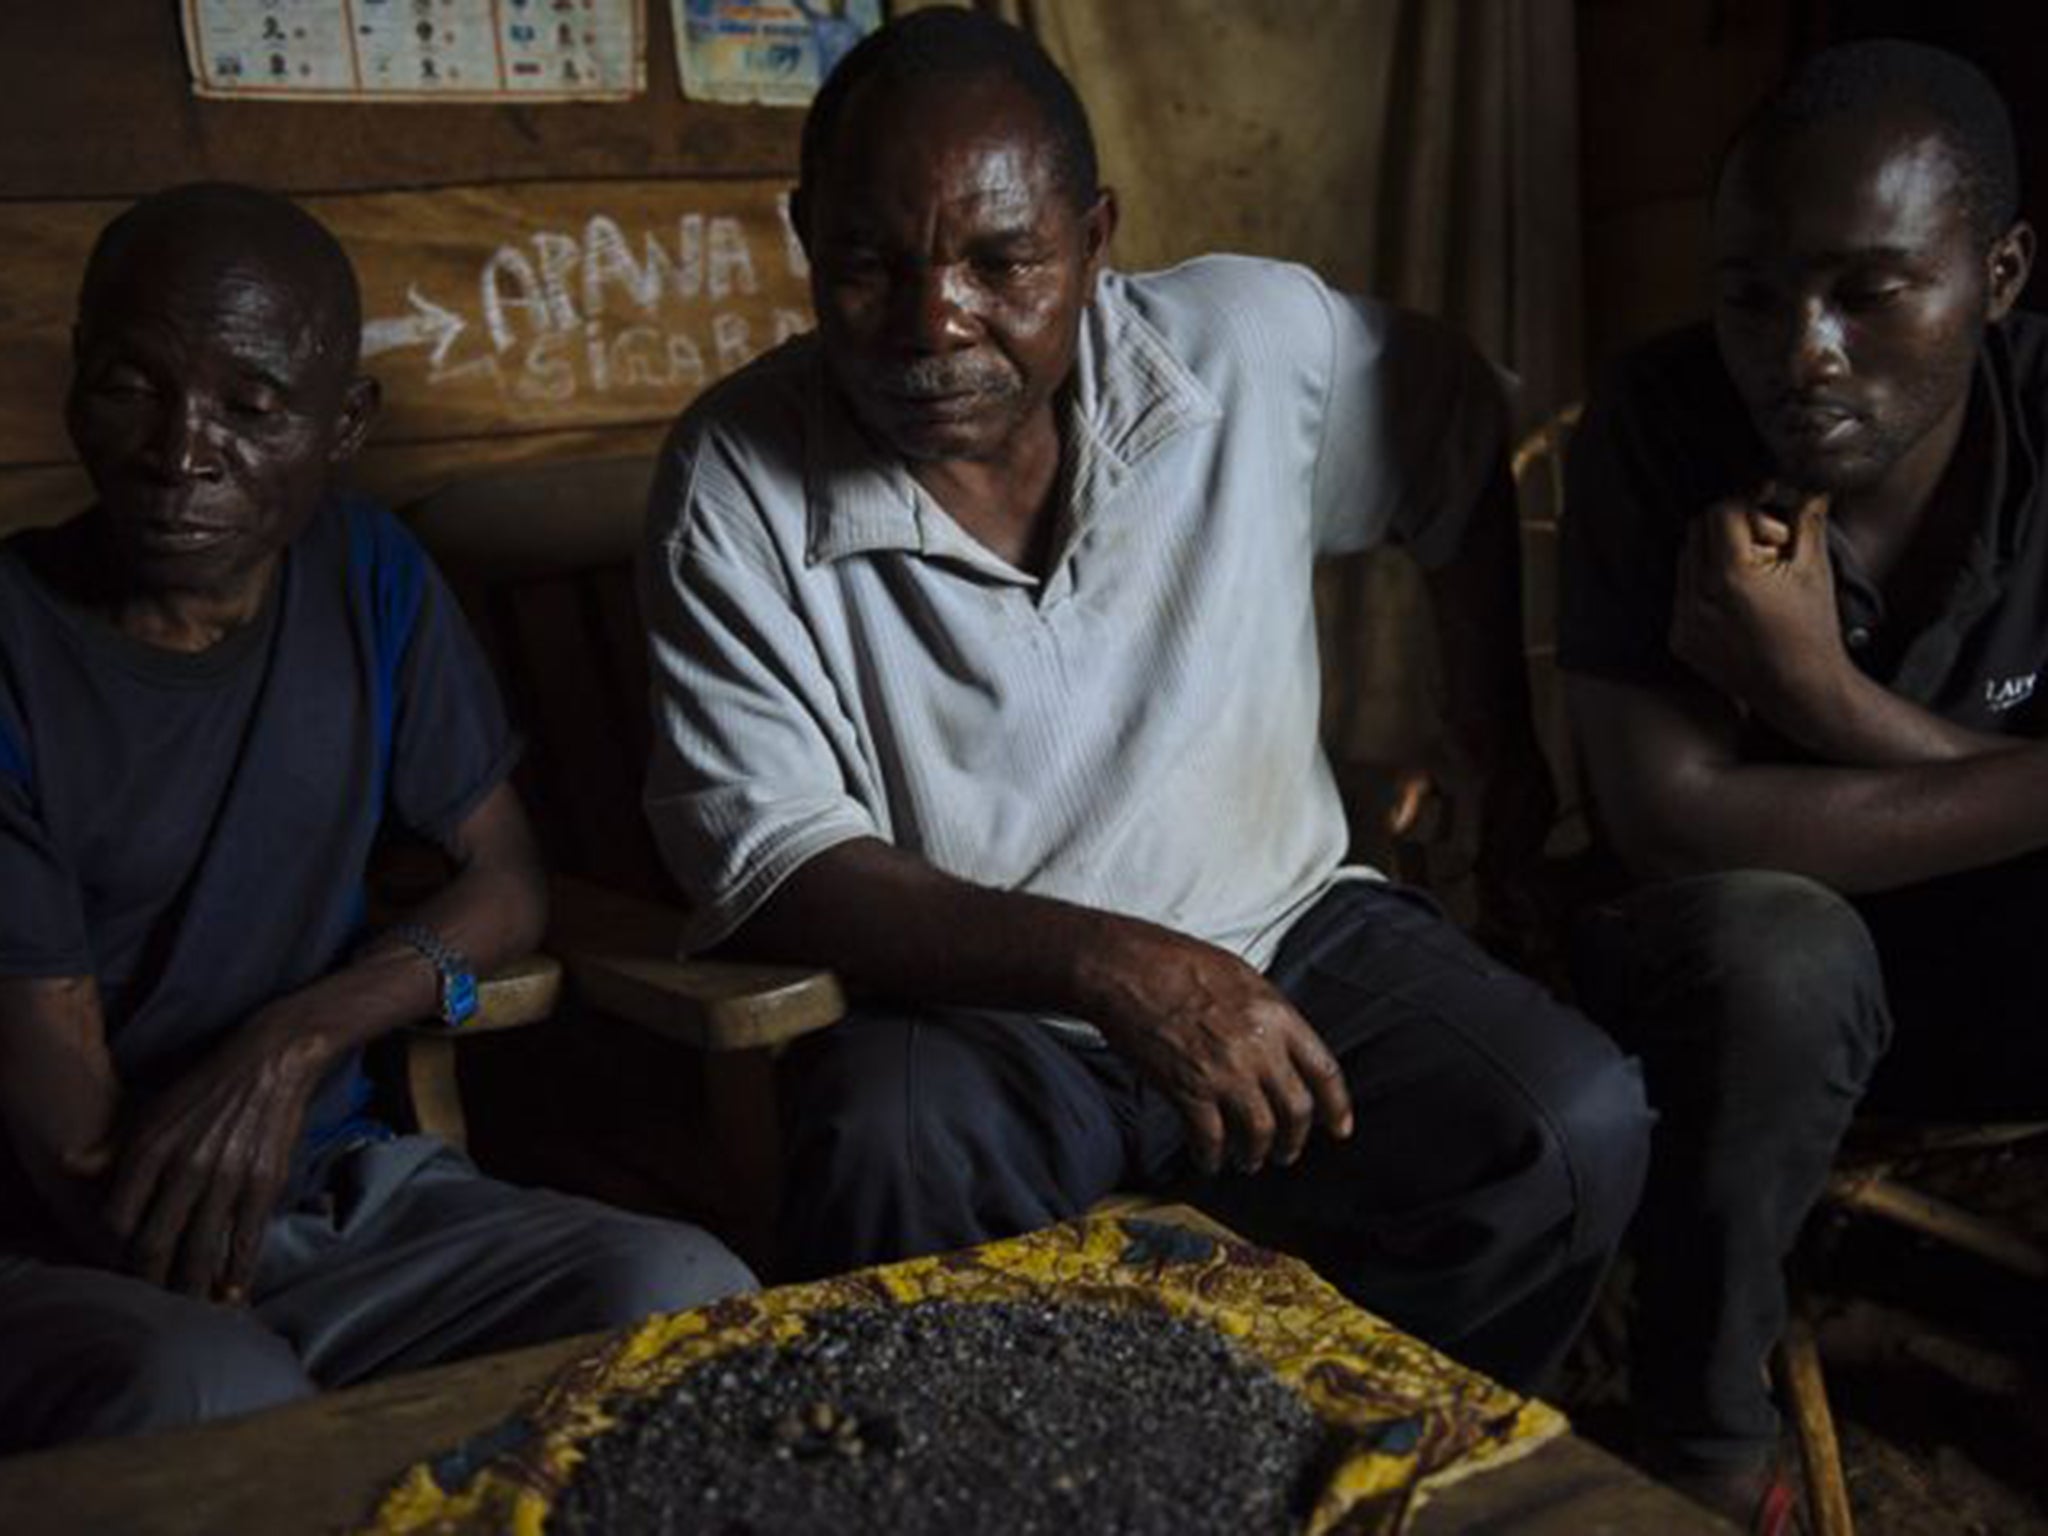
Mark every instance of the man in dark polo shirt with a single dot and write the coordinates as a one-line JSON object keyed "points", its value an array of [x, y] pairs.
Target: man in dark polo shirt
{"points": [[1805, 609], [216, 684]]}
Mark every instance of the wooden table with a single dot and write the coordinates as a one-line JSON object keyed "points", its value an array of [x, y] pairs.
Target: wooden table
{"points": [[318, 1466]]}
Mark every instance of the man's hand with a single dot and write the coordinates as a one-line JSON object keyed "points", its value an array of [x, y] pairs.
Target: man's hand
{"points": [[1246, 1071], [1754, 606], [202, 1166]]}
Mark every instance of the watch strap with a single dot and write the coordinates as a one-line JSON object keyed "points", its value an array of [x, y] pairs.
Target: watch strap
{"points": [[458, 999]]}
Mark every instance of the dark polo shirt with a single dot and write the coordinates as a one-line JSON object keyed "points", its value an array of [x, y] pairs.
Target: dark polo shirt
{"points": [[1667, 436]]}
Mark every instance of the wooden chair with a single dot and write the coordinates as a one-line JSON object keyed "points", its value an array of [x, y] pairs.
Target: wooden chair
{"points": [[419, 1067], [512, 997], [542, 560], [1870, 1178]]}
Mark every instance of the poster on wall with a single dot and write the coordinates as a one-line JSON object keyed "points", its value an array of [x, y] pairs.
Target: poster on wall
{"points": [[417, 50], [776, 52]]}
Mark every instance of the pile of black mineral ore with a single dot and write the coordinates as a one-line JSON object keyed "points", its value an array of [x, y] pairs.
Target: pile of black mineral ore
{"points": [[999, 1418]]}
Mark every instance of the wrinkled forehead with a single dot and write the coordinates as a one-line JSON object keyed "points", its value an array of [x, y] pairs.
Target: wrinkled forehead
{"points": [[1888, 180], [217, 291], [978, 139]]}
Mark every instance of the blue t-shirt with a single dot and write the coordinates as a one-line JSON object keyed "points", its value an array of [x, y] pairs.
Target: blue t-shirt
{"points": [[192, 829]]}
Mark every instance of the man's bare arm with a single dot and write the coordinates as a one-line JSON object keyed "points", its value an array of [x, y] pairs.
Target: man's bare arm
{"points": [[1239, 1062], [201, 1166], [58, 1099], [493, 911], [1676, 797], [1855, 721]]}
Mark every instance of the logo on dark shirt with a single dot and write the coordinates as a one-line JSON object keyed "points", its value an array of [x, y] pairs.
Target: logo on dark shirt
{"points": [[2003, 693]]}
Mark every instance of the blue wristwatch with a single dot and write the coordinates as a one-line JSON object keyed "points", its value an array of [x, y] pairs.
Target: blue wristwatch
{"points": [[458, 981]]}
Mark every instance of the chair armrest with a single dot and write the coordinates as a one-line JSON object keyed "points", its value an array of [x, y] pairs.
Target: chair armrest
{"points": [[518, 993], [621, 951], [522, 992]]}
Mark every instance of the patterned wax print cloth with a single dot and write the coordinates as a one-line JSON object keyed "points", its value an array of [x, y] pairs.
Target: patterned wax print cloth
{"points": [[1408, 1419]]}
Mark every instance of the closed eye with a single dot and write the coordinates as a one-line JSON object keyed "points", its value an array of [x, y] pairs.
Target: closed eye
{"points": [[1747, 296], [1873, 295], [124, 384], [856, 263]]}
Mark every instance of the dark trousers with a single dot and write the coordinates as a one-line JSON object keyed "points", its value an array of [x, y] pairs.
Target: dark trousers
{"points": [[1766, 1010], [1498, 1153]]}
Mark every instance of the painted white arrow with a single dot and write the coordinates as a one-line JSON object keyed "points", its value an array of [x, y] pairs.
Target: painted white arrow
{"points": [[428, 322]]}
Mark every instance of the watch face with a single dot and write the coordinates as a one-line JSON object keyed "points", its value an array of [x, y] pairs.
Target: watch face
{"points": [[458, 997]]}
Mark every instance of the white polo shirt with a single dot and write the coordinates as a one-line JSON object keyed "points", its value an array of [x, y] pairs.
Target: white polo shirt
{"points": [[1135, 731]]}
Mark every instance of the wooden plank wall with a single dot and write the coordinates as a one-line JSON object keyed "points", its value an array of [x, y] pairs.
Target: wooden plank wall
{"points": [[546, 281], [1661, 90]]}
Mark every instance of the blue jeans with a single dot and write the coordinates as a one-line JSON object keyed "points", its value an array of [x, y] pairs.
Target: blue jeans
{"points": [[1498, 1154], [1767, 1009]]}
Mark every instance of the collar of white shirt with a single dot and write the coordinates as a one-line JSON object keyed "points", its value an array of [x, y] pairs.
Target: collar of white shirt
{"points": [[1128, 395]]}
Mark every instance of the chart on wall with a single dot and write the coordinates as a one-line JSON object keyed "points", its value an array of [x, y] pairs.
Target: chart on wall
{"points": [[776, 52], [417, 50]]}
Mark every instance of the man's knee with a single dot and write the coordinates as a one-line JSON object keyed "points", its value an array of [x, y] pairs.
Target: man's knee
{"points": [[1773, 976], [146, 1374], [909, 1115], [1783, 942], [633, 1268], [1567, 1112], [911, 1136], [1599, 1123], [848, 1122]]}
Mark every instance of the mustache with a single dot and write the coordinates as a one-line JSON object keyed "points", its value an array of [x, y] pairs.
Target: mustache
{"points": [[935, 378]]}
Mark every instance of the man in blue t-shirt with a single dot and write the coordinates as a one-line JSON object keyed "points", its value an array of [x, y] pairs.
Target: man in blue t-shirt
{"points": [[215, 686]]}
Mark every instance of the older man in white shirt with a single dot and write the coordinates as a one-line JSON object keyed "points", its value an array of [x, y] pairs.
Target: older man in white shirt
{"points": [[986, 674]]}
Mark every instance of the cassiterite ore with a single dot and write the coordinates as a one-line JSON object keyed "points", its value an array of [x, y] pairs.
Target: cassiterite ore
{"points": [[999, 1418]]}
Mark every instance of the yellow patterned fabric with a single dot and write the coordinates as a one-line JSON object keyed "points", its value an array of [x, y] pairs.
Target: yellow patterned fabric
{"points": [[1411, 1419]]}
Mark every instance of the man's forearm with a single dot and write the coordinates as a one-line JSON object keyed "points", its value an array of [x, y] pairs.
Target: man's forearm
{"points": [[493, 911], [1870, 829], [1676, 798], [1235, 1058], [890, 923], [488, 914], [58, 1099], [1850, 720]]}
